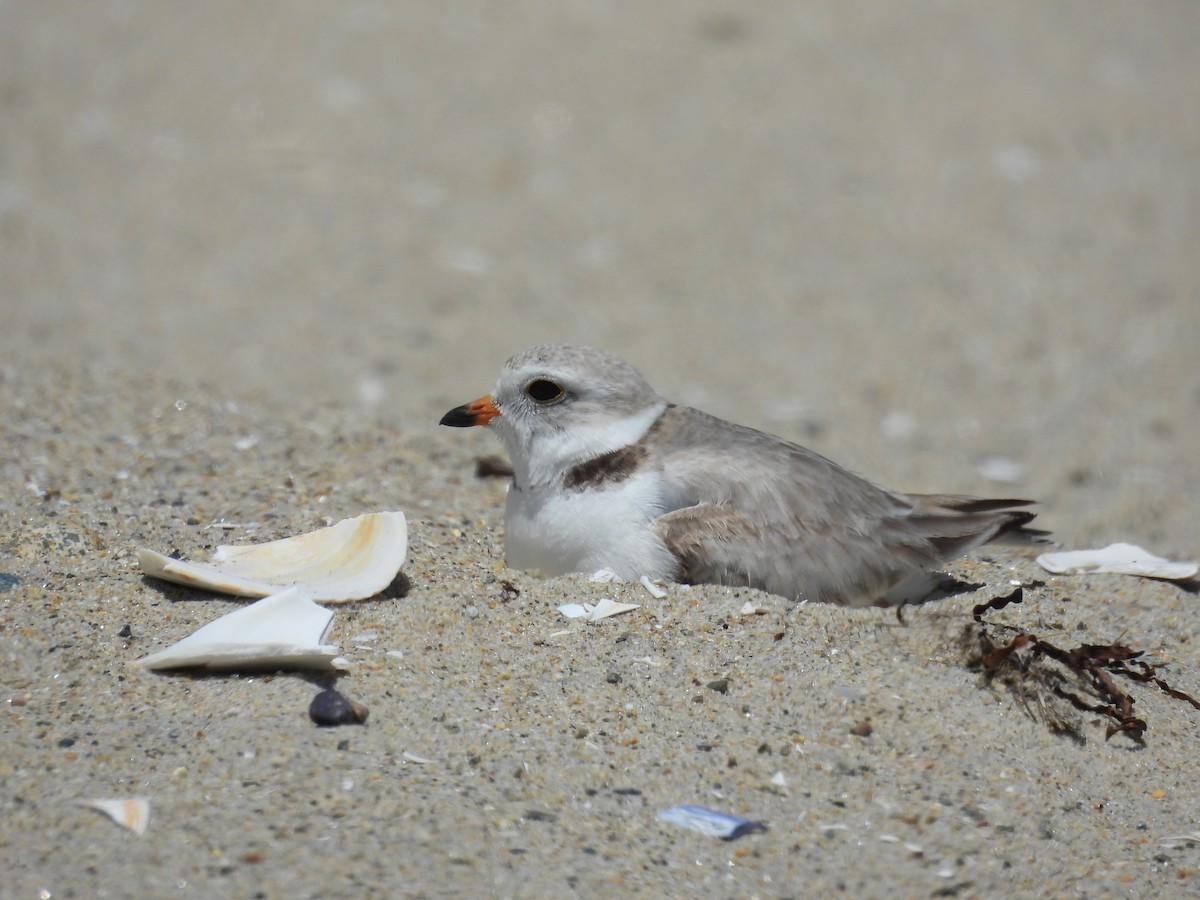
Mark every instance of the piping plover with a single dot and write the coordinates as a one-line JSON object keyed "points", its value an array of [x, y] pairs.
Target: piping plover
{"points": [[609, 474]]}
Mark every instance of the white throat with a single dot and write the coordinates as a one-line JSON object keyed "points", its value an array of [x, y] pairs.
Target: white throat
{"points": [[542, 455]]}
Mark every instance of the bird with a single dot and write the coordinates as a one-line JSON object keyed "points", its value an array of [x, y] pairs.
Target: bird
{"points": [[609, 474]]}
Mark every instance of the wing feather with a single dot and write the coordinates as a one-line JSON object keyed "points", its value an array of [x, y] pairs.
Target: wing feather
{"points": [[746, 508]]}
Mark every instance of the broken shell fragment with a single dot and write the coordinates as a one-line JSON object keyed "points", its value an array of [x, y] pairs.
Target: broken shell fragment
{"points": [[602, 610], [608, 607], [710, 822], [132, 813], [285, 630], [655, 591], [352, 560], [330, 709], [1119, 559]]}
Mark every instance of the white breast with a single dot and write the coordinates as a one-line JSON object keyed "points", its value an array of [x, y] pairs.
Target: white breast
{"points": [[558, 531]]}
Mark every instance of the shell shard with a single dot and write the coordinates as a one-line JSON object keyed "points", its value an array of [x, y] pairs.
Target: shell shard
{"points": [[132, 813], [602, 610], [655, 591], [1119, 559], [285, 630], [608, 607], [352, 560], [710, 822]]}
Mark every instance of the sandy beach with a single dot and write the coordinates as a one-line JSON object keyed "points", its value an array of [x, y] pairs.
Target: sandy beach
{"points": [[249, 255]]}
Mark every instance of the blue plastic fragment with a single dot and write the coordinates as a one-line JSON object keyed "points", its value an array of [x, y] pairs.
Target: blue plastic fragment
{"points": [[710, 822]]}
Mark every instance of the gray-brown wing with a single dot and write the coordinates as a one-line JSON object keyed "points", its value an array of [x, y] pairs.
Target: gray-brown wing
{"points": [[752, 509], [715, 544]]}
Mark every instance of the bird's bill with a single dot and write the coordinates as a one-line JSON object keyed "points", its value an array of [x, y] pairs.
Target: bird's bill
{"points": [[477, 412]]}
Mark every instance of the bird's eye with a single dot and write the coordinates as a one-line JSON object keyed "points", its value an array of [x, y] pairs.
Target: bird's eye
{"points": [[542, 390]]}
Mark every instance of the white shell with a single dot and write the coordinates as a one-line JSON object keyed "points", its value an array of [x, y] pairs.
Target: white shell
{"points": [[601, 610], [284, 630], [132, 813], [607, 607], [655, 591], [710, 822], [1173, 841], [1120, 559], [352, 560]]}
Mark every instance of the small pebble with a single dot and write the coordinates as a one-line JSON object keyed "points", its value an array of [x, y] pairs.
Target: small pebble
{"points": [[330, 709]]}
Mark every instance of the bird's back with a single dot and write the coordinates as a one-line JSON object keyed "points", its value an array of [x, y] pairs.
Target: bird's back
{"points": [[749, 508]]}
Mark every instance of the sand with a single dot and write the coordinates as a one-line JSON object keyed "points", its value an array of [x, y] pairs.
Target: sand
{"points": [[251, 253]]}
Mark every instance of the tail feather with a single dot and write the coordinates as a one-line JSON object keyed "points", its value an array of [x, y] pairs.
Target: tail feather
{"points": [[966, 504], [954, 524]]}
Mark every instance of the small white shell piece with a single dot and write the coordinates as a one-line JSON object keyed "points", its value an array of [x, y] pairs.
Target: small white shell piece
{"points": [[352, 560], [285, 630], [655, 591], [608, 607], [132, 813], [602, 610], [710, 822], [1120, 559]]}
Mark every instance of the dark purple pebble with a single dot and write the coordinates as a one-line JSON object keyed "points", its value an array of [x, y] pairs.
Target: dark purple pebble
{"points": [[330, 709]]}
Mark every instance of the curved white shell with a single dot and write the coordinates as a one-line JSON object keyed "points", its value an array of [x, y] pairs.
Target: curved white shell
{"points": [[1121, 559], [352, 560], [132, 813], [285, 630]]}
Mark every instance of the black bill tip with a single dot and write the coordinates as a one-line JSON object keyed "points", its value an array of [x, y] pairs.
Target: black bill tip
{"points": [[477, 412], [459, 417]]}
